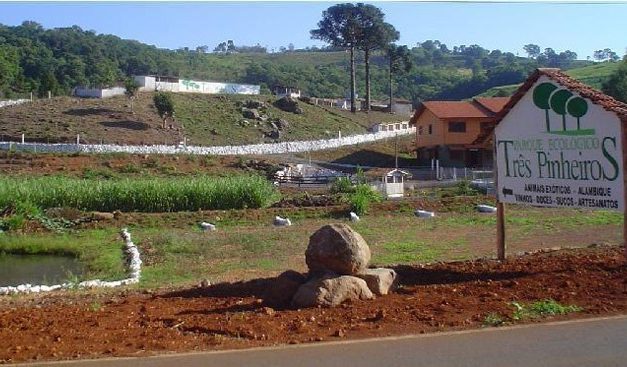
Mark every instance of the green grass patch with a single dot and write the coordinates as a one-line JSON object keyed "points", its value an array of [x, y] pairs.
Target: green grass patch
{"points": [[140, 194], [407, 252], [493, 319], [543, 308]]}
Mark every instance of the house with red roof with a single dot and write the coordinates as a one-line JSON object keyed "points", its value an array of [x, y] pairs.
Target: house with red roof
{"points": [[449, 131]]}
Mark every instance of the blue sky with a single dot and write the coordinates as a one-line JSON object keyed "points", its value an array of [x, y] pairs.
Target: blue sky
{"points": [[582, 28]]}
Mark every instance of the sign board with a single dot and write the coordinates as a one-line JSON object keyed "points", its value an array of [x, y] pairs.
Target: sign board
{"points": [[557, 149]]}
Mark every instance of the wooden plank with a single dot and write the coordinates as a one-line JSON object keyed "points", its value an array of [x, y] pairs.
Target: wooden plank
{"points": [[623, 134], [500, 209], [500, 230]]}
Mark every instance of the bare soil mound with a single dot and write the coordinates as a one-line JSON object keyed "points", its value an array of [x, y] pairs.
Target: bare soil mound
{"points": [[436, 297]]}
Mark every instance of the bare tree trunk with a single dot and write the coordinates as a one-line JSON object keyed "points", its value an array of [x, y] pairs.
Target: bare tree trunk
{"points": [[391, 99], [367, 61], [353, 87]]}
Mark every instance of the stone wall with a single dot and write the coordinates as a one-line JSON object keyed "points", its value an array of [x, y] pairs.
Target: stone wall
{"points": [[254, 149], [13, 102]]}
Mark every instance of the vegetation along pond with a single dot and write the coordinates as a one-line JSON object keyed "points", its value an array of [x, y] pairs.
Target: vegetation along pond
{"points": [[38, 269]]}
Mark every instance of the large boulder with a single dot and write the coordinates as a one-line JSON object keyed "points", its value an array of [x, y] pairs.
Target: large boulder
{"points": [[380, 280], [281, 289], [337, 248], [331, 290], [288, 104]]}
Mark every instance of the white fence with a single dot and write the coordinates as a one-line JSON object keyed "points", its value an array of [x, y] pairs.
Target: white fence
{"points": [[13, 102], [254, 149]]}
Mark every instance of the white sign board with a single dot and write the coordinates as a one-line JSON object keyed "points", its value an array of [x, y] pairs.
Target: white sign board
{"points": [[557, 149]]}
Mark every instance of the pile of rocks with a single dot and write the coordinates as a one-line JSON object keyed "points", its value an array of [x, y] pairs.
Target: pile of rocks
{"points": [[337, 258]]}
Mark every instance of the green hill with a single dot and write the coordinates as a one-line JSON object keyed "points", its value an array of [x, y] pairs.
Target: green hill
{"points": [[593, 75], [38, 60]]}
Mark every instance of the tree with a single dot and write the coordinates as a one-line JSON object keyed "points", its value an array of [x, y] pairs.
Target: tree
{"points": [[340, 28], [131, 90], [599, 55], [399, 59], [230, 46], [616, 85], [532, 50], [164, 105], [220, 48], [375, 34]]}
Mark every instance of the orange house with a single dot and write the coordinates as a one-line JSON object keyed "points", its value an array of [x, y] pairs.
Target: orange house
{"points": [[449, 131]]}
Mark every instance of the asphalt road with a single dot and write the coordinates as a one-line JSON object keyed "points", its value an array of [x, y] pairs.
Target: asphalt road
{"points": [[593, 342]]}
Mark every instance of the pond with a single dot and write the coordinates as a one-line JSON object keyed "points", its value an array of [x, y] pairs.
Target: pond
{"points": [[37, 269]]}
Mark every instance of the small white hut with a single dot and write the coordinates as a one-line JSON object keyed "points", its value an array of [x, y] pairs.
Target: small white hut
{"points": [[391, 183]]}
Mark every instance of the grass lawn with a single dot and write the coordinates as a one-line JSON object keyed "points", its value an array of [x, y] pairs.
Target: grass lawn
{"points": [[243, 250]]}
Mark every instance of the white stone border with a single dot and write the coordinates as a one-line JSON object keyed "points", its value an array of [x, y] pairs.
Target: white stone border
{"points": [[13, 102], [133, 266], [254, 149]]}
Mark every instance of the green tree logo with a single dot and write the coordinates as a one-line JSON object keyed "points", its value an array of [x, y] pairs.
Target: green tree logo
{"points": [[547, 96], [558, 104], [577, 107], [541, 95]]}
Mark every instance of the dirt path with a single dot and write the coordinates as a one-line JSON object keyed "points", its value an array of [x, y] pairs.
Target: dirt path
{"points": [[438, 297]]}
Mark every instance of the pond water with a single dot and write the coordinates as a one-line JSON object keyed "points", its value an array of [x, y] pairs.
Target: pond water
{"points": [[37, 269]]}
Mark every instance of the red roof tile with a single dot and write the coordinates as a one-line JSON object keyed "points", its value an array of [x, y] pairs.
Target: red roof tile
{"points": [[455, 109], [494, 104]]}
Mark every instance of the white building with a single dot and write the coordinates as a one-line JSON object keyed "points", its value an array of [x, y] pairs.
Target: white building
{"points": [[176, 85]]}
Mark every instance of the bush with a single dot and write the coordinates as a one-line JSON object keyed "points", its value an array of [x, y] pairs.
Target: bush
{"points": [[361, 198], [463, 188], [342, 185]]}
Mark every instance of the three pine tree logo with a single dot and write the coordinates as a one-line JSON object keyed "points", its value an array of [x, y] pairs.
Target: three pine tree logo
{"points": [[547, 96]]}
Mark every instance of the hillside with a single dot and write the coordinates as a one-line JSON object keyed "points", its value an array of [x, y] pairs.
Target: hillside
{"points": [[593, 75], [38, 60], [202, 119]]}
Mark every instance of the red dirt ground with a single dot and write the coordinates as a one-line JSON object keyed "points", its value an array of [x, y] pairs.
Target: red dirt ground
{"points": [[444, 296]]}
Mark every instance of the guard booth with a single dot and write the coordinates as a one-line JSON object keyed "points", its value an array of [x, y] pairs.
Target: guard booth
{"points": [[391, 184]]}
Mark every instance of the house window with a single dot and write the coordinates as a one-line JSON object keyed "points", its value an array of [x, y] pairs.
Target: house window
{"points": [[420, 130], [457, 127], [430, 129]]}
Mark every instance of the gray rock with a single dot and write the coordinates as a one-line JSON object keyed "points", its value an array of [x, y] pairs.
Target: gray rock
{"points": [[282, 124], [380, 280], [331, 291], [250, 113], [337, 248], [281, 290], [255, 104], [288, 104]]}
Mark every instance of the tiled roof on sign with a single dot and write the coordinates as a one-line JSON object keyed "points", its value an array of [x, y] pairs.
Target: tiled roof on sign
{"points": [[595, 96]]}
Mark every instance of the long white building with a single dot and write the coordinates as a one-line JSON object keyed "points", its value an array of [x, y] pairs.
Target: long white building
{"points": [[169, 84]]}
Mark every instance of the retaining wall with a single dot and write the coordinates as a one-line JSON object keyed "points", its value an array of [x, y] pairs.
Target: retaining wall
{"points": [[255, 149]]}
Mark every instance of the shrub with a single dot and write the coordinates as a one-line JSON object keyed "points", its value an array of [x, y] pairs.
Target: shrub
{"points": [[361, 198], [463, 188], [342, 185]]}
